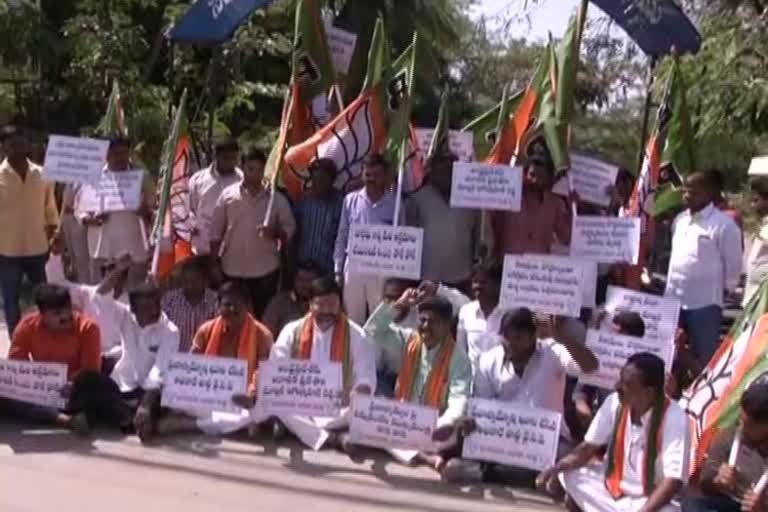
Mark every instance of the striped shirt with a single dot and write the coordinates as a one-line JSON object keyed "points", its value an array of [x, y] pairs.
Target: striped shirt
{"points": [[317, 220], [188, 317]]}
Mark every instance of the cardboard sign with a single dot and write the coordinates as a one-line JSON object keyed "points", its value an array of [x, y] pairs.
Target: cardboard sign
{"points": [[486, 187], [115, 192], [606, 239], [551, 285], [660, 314], [384, 423], [613, 350], [34, 383], [342, 45], [387, 251], [289, 387], [74, 159], [758, 166], [589, 279], [199, 383], [590, 178], [461, 143], [512, 434]]}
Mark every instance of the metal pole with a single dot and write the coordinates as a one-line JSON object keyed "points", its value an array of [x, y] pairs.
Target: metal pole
{"points": [[211, 97], [646, 115]]}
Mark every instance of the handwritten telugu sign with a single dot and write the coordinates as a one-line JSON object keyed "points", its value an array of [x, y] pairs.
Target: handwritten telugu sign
{"points": [[74, 159], [289, 387], [342, 45], [199, 383], [549, 285], [512, 434], [606, 239], [387, 251], [590, 178], [384, 423], [115, 192], [486, 187], [35, 383], [613, 350], [461, 143], [660, 314]]}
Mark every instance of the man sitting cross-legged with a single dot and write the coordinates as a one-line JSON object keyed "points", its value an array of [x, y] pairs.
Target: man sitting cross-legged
{"points": [[434, 371], [327, 335], [645, 434], [234, 334], [57, 334]]}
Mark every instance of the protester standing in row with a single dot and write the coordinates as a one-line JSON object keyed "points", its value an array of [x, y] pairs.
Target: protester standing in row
{"points": [[757, 258]]}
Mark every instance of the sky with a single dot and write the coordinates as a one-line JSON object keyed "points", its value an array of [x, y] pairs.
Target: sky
{"points": [[550, 15]]}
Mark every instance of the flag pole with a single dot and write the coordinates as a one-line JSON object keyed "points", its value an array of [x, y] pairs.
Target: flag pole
{"points": [[404, 146], [646, 114]]}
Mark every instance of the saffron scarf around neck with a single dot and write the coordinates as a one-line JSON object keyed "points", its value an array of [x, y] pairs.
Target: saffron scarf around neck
{"points": [[340, 347], [614, 470], [436, 388], [247, 344]]}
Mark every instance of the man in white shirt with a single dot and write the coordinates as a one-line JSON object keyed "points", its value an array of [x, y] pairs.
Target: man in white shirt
{"points": [[478, 328], [704, 266], [313, 338], [757, 258], [631, 477], [206, 186], [528, 371]]}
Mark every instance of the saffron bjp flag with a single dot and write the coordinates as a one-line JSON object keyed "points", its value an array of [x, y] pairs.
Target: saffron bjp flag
{"points": [[113, 122], [172, 232], [712, 401], [484, 128], [374, 122]]}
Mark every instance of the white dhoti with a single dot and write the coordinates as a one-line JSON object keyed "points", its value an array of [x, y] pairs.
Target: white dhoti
{"points": [[223, 423], [315, 431], [586, 487], [409, 456]]}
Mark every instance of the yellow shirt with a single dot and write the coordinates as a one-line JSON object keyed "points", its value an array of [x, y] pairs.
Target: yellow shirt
{"points": [[26, 209]]}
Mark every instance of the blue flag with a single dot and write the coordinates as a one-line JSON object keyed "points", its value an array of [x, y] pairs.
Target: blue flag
{"points": [[214, 21], [655, 26]]}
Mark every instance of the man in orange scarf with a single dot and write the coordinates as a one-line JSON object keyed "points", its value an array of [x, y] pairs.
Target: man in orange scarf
{"points": [[233, 334], [645, 435], [327, 335], [433, 370]]}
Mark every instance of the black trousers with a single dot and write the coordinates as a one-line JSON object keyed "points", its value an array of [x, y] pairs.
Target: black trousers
{"points": [[259, 289]]}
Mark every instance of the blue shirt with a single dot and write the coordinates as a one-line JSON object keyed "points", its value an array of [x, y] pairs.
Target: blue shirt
{"points": [[358, 209], [318, 223]]}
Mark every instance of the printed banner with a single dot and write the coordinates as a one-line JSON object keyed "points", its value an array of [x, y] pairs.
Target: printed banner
{"points": [[289, 387], [606, 239], [384, 423], [74, 159], [34, 383], [613, 350], [198, 383], [486, 187], [512, 434], [659, 313], [115, 192], [551, 285], [461, 143], [591, 179], [342, 46], [387, 251]]}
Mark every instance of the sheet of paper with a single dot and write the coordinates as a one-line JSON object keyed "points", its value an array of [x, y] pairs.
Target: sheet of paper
{"points": [[385, 423], [386, 251], [486, 187], [606, 239], [76, 160], [115, 192], [550, 285], [660, 314], [34, 383], [461, 143], [198, 383], [590, 178], [289, 387]]}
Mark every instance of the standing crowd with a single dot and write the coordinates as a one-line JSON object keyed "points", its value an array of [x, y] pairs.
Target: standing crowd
{"points": [[270, 279]]}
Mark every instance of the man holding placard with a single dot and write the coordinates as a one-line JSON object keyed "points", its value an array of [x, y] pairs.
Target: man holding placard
{"points": [[644, 435], [327, 335], [434, 371], [526, 371], [117, 211]]}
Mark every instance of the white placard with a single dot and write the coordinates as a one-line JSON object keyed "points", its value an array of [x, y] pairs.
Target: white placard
{"points": [[74, 159], [660, 314], [590, 179], [613, 350], [387, 251], [35, 383], [589, 279], [198, 383], [115, 192], [289, 387], [384, 423], [606, 239], [512, 434], [461, 143], [758, 166], [551, 285], [486, 187], [342, 45]]}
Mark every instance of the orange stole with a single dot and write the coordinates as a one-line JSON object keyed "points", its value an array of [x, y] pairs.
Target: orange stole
{"points": [[436, 387], [340, 351], [247, 344]]}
